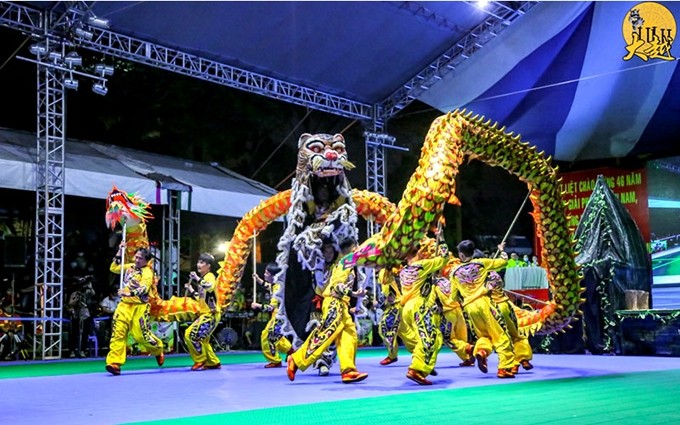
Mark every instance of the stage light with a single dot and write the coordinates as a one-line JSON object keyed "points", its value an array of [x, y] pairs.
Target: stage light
{"points": [[100, 88], [103, 69], [71, 83], [84, 34], [222, 247], [73, 59], [98, 22], [55, 56], [38, 49]]}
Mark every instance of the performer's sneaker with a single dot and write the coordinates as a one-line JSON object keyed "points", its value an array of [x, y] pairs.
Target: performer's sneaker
{"points": [[505, 373], [353, 376], [481, 361], [292, 368], [387, 360], [469, 362], [515, 369], [197, 366], [160, 359], [272, 365], [527, 365], [323, 370], [417, 377], [113, 368], [434, 372], [212, 366]]}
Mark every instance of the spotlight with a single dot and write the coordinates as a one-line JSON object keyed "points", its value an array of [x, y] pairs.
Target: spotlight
{"points": [[100, 88], [85, 34], [103, 69], [73, 59], [55, 56], [71, 83], [98, 22], [38, 49]]}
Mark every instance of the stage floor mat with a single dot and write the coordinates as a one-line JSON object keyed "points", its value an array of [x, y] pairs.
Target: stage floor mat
{"points": [[560, 389]]}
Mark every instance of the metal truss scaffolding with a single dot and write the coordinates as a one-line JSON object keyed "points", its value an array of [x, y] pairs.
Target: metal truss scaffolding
{"points": [[500, 17], [171, 245], [376, 179], [49, 215]]}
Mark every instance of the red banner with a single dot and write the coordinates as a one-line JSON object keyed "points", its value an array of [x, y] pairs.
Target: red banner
{"points": [[630, 186]]}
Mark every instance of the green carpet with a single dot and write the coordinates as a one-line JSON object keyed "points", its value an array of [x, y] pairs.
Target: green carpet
{"points": [[636, 398], [72, 367]]}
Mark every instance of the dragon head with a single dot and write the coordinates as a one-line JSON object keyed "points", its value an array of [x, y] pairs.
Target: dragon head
{"points": [[123, 206], [322, 156]]}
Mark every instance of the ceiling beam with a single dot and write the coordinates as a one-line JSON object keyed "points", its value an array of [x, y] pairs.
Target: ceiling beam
{"points": [[30, 21], [500, 17]]}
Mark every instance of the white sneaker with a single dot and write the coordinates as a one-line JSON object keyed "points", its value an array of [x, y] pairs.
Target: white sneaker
{"points": [[323, 370]]}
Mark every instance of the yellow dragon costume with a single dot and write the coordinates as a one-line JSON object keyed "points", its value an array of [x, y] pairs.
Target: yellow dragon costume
{"points": [[451, 139]]}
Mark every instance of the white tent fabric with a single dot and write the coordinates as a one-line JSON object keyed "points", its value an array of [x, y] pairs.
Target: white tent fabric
{"points": [[91, 170]]}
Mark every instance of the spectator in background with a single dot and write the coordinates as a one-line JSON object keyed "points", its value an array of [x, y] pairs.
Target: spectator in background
{"points": [[514, 261], [238, 302], [534, 261], [80, 316], [108, 307]]}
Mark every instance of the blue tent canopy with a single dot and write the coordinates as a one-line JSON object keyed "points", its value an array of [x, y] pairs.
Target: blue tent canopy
{"points": [[556, 74]]}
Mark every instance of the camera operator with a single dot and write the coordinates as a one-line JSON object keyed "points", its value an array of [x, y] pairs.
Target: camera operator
{"points": [[81, 316]]}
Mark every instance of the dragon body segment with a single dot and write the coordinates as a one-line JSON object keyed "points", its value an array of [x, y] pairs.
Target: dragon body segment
{"points": [[451, 139]]}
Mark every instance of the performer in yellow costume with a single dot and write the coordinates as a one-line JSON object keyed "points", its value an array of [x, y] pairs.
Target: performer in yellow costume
{"points": [[391, 324], [337, 325], [421, 313], [522, 348], [272, 340], [485, 319], [132, 313], [453, 326], [321, 278], [197, 335]]}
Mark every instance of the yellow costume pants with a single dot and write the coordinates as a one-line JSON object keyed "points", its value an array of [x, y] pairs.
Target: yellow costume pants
{"points": [[197, 338], [337, 325], [392, 326], [486, 322], [272, 340], [422, 317], [133, 319], [522, 348], [454, 332]]}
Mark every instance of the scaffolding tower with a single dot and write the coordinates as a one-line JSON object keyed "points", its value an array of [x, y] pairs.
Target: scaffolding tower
{"points": [[49, 214]]}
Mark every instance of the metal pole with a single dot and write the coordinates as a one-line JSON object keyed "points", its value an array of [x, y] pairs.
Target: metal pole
{"points": [[122, 254], [526, 198], [254, 267]]}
